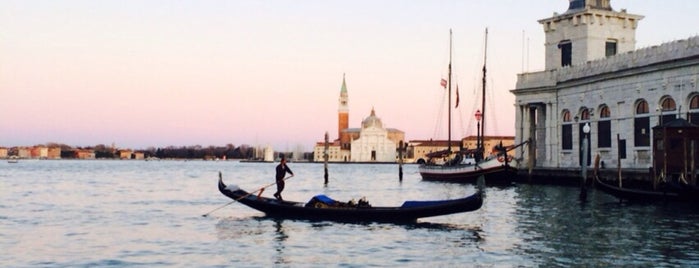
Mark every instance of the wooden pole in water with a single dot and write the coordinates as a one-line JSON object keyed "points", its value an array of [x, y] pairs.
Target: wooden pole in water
{"points": [[692, 165], [618, 158], [325, 159]]}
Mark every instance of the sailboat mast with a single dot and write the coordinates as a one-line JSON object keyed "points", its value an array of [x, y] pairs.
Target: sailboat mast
{"points": [[485, 57], [449, 85]]}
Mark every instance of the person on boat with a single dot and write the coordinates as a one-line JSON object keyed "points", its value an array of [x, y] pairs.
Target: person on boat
{"points": [[282, 169]]}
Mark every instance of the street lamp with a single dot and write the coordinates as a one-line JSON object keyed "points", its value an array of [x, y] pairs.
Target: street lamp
{"points": [[583, 161], [478, 115]]}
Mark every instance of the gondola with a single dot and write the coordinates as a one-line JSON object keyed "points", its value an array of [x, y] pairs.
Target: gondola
{"points": [[641, 195], [323, 208]]}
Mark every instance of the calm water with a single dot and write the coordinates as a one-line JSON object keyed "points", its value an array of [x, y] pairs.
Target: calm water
{"points": [[138, 213]]}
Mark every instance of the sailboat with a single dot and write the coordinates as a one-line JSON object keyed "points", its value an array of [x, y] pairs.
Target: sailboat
{"points": [[466, 165]]}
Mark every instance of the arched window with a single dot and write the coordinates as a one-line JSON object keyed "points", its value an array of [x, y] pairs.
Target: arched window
{"points": [[667, 110], [693, 114], [641, 125], [641, 107], [566, 116], [585, 114], [694, 102], [604, 128], [667, 104], [566, 131], [604, 112]]}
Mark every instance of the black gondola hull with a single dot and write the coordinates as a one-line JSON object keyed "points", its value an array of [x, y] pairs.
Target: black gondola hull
{"points": [[495, 176], [646, 196], [407, 213]]}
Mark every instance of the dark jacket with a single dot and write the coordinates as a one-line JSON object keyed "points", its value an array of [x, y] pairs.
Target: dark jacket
{"points": [[282, 169]]}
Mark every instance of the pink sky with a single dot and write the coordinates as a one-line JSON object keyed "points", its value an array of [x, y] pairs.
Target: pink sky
{"points": [[159, 73]]}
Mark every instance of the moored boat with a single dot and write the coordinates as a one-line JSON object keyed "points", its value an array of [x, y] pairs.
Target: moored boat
{"points": [[324, 208], [465, 166], [664, 193], [495, 172]]}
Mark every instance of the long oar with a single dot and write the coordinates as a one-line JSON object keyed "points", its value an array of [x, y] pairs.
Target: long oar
{"points": [[239, 198]]}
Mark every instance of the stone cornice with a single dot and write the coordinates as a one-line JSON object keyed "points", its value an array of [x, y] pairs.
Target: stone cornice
{"points": [[654, 55]]}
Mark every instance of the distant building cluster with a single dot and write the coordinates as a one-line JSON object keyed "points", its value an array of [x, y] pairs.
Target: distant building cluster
{"points": [[374, 143], [63, 152], [228, 151]]}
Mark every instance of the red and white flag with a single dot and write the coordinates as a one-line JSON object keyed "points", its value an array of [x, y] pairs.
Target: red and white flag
{"points": [[443, 83]]}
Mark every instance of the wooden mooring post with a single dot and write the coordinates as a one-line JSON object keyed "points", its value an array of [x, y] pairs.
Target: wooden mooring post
{"points": [[401, 150], [325, 159]]}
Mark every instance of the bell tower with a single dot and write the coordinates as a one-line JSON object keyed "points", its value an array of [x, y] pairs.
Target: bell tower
{"points": [[588, 30], [343, 109]]}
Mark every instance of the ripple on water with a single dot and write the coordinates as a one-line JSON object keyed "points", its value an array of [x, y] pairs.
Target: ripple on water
{"points": [[138, 213]]}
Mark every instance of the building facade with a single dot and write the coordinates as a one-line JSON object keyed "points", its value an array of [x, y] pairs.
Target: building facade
{"points": [[374, 144], [419, 149], [595, 76], [370, 143]]}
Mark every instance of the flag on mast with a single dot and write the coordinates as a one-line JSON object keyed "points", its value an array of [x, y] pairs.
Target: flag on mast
{"points": [[457, 96], [443, 83]]}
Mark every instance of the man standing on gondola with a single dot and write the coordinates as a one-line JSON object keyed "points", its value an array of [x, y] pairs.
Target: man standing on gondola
{"points": [[282, 169]]}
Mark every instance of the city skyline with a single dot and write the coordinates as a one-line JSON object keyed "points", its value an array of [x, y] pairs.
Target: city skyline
{"points": [[161, 73]]}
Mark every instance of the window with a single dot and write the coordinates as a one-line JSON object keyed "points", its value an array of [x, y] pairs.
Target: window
{"points": [[693, 115], [642, 107], [585, 114], [668, 104], [566, 116], [641, 125], [668, 107], [566, 132], [567, 135], [566, 48], [604, 128], [610, 48]]}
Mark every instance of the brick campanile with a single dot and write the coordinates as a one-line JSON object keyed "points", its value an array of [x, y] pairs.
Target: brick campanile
{"points": [[343, 109]]}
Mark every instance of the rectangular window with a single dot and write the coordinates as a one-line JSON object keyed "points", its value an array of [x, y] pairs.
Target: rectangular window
{"points": [[610, 48], [567, 137], [566, 53], [666, 118], [693, 117], [641, 126], [604, 134]]}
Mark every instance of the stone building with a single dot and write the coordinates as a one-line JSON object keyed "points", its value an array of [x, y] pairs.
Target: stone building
{"points": [[419, 149], [370, 143], [594, 75]]}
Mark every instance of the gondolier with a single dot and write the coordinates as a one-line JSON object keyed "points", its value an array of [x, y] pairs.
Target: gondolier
{"points": [[282, 169], [322, 207]]}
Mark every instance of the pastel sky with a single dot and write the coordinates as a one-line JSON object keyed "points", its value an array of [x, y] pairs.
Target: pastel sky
{"points": [[263, 72]]}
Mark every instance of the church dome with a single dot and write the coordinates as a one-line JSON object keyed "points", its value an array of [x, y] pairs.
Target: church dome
{"points": [[372, 121]]}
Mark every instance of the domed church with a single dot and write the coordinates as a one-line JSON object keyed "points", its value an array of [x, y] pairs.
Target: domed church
{"points": [[370, 143]]}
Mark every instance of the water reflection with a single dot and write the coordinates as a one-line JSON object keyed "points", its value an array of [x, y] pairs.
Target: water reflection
{"points": [[232, 228], [279, 238], [561, 231]]}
